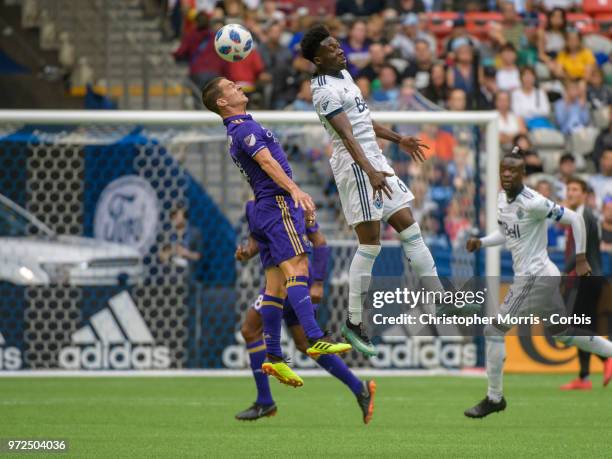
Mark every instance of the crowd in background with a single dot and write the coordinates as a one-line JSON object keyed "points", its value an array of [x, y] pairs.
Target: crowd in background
{"points": [[543, 65]]}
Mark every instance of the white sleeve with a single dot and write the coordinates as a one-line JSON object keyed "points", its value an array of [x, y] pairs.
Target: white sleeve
{"points": [[495, 238], [569, 217], [540, 208], [326, 102]]}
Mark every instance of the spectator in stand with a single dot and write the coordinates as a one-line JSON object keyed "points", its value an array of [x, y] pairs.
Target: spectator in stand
{"points": [[403, 7], [375, 28], [567, 5], [355, 48], [507, 76], [460, 168], [457, 102], [567, 170], [440, 143], [530, 102], [303, 99], [278, 61], [606, 226], [458, 32], [463, 74], [405, 40], [358, 8], [488, 89], [510, 125], [523, 142], [602, 182], [377, 61], [551, 40], [456, 224], [572, 111], [387, 95], [603, 141], [418, 69], [574, 61], [198, 49], [599, 94], [533, 163], [437, 89], [511, 29]]}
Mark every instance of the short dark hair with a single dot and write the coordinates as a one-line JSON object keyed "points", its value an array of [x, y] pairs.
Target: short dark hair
{"points": [[579, 182], [312, 40], [210, 93], [567, 157], [516, 153]]}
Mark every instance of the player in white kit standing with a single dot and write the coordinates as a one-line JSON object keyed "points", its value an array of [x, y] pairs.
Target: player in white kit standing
{"points": [[362, 174], [521, 215]]}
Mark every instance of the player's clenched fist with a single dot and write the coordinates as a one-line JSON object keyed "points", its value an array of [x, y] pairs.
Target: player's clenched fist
{"points": [[473, 244]]}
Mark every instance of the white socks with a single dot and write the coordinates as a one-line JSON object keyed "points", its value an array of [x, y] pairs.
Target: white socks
{"points": [[496, 354], [360, 275], [593, 344], [420, 257]]}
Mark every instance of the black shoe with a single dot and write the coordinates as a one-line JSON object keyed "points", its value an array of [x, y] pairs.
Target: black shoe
{"points": [[485, 407], [256, 411], [356, 335], [366, 400]]}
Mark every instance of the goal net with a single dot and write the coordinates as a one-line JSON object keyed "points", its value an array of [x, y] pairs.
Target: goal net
{"points": [[118, 232]]}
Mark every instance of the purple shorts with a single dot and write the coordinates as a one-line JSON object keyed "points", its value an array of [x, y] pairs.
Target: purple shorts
{"points": [[279, 229]]}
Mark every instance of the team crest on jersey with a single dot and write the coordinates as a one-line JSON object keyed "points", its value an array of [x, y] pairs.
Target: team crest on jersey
{"points": [[305, 240], [345, 90], [378, 201], [250, 140], [325, 104], [520, 214]]}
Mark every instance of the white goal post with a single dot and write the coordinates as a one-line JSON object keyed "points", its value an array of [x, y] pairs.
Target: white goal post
{"points": [[487, 119]]}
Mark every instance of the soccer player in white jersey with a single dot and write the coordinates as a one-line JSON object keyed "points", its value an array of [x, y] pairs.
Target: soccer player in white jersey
{"points": [[363, 174], [521, 215]]}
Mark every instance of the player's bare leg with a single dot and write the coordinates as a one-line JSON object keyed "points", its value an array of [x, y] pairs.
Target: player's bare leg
{"points": [[296, 273], [272, 315], [252, 332], [360, 275]]}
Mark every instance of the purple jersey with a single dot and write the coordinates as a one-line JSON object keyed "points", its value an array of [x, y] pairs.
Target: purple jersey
{"points": [[246, 138]]}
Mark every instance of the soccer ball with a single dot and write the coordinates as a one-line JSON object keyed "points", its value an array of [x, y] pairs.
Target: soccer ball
{"points": [[233, 42]]}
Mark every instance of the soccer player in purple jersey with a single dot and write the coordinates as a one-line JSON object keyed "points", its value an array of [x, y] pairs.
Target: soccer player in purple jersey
{"points": [[279, 226], [252, 331]]}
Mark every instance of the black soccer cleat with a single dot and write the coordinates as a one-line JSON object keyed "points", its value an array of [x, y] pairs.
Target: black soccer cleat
{"points": [[256, 411], [485, 407], [366, 400], [357, 336]]}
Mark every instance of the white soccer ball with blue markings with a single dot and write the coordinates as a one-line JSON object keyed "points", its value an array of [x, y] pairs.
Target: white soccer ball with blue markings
{"points": [[233, 42]]}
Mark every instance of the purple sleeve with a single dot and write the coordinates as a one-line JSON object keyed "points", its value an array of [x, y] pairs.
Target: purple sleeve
{"points": [[320, 262], [250, 214], [312, 229], [251, 137]]}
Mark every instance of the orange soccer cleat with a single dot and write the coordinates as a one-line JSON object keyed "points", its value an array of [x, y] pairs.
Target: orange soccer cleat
{"points": [[578, 384]]}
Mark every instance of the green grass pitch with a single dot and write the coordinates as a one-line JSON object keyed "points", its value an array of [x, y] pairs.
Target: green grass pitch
{"points": [[414, 417]]}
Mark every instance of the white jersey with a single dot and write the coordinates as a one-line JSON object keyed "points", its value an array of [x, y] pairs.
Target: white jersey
{"points": [[331, 95], [522, 221]]}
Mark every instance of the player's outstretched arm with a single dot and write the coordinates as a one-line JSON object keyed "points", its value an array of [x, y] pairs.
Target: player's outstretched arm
{"points": [[490, 240], [274, 170], [342, 125], [408, 143], [569, 217]]}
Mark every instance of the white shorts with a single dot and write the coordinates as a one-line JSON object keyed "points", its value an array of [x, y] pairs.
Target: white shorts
{"points": [[537, 294], [356, 194]]}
